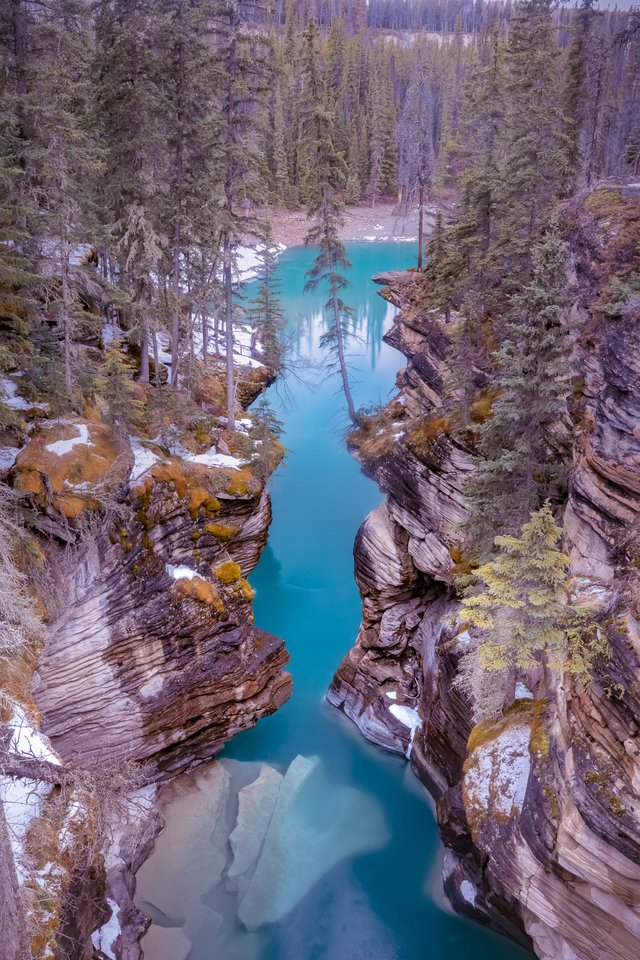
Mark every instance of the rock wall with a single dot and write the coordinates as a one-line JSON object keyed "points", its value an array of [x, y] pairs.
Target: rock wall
{"points": [[153, 655], [151, 659], [540, 810]]}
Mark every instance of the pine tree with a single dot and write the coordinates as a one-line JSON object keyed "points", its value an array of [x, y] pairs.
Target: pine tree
{"points": [[244, 70], [416, 156], [129, 109], [266, 308], [482, 131], [192, 124], [325, 208], [521, 444], [66, 161], [115, 385], [534, 171], [521, 610], [382, 155], [575, 93]]}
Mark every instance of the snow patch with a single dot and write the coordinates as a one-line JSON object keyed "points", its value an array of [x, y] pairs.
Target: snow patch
{"points": [[408, 717], [523, 692], [8, 457], [112, 333], [21, 798], [391, 694], [62, 447], [468, 892], [181, 572], [10, 398], [210, 458], [143, 460], [104, 939]]}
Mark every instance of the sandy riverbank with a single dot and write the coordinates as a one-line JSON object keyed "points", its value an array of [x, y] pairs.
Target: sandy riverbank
{"points": [[361, 222]]}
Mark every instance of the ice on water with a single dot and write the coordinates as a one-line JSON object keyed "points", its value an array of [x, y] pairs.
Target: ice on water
{"points": [[243, 844]]}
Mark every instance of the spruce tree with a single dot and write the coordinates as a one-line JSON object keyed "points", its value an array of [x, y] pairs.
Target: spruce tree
{"points": [[266, 308], [66, 161], [520, 610], [382, 153], [520, 446], [325, 207], [534, 171], [414, 143], [129, 112], [115, 385], [244, 62]]}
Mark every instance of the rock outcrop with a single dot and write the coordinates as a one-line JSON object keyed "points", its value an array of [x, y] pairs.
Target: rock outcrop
{"points": [[151, 660], [539, 810], [151, 653]]}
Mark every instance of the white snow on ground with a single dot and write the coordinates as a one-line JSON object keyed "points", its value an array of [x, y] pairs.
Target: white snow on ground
{"points": [[62, 447], [21, 799], [111, 333], [523, 692], [468, 891], [181, 572], [497, 778], [144, 459], [105, 938], [8, 457], [10, 398], [242, 341], [392, 694], [210, 458], [248, 260], [409, 717]]}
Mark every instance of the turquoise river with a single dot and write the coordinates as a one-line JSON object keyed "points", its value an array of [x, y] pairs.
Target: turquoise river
{"points": [[383, 901]]}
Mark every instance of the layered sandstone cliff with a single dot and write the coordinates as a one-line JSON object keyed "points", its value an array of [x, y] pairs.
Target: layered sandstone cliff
{"points": [[540, 809]]}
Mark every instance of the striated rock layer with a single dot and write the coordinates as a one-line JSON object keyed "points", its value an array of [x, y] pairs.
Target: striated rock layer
{"points": [[151, 660], [153, 655], [539, 811]]}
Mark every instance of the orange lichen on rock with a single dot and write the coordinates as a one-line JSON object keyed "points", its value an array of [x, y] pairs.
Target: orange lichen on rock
{"points": [[197, 588], [223, 531], [227, 572], [68, 465]]}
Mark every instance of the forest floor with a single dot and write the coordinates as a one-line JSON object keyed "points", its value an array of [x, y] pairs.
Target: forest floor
{"points": [[361, 222]]}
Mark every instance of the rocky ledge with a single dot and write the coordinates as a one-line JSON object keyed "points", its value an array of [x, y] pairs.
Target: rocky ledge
{"points": [[539, 809]]}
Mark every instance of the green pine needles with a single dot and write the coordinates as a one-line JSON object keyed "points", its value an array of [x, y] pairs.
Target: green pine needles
{"points": [[522, 612]]}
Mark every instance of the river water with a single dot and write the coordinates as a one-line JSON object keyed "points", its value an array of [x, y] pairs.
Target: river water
{"points": [[383, 900]]}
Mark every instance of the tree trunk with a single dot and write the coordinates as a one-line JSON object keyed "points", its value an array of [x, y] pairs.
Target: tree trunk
{"points": [[178, 205], [205, 333], [230, 188], [14, 938], [144, 345], [420, 225], [66, 309], [341, 357], [156, 358], [227, 279]]}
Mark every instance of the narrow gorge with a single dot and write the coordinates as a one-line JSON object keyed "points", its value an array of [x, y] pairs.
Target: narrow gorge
{"points": [[319, 480]]}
